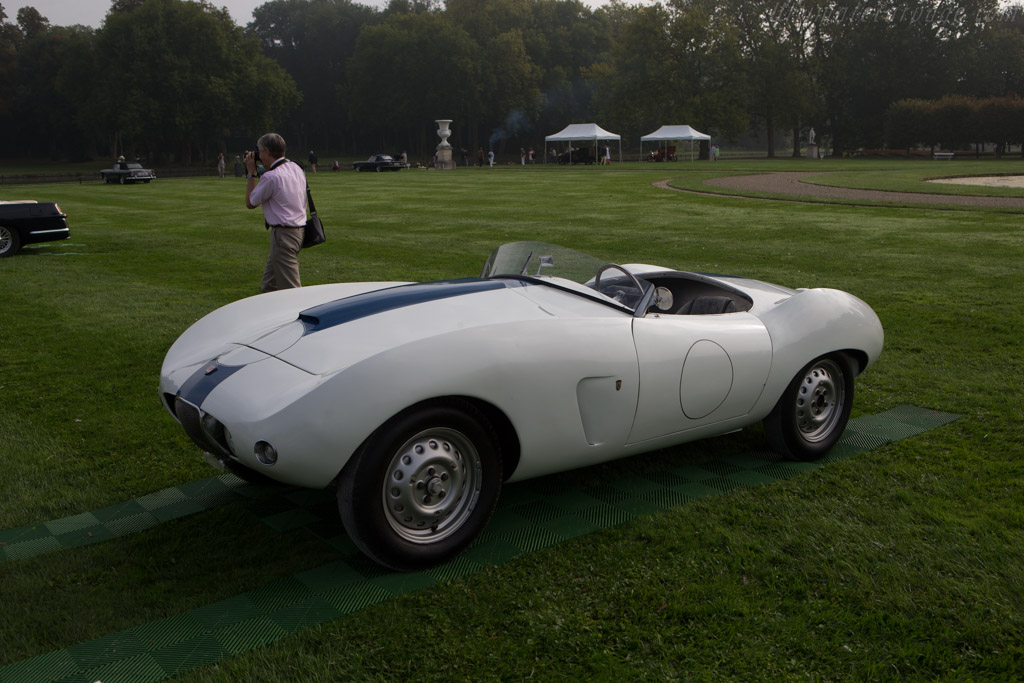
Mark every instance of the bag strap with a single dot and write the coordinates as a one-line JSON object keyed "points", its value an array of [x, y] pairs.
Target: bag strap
{"points": [[309, 201], [309, 195]]}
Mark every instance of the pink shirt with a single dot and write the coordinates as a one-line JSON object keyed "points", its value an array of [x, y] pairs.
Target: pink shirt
{"points": [[282, 192]]}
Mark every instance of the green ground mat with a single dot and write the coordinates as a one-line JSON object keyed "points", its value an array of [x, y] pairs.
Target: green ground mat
{"points": [[531, 515]]}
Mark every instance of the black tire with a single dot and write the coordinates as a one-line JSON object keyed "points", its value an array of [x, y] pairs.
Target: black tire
{"points": [[813, 411], [359, 169], [422, 487], [122, 180], [10, 241], [377, 169]]}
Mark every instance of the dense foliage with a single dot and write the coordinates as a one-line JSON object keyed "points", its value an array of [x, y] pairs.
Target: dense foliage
{"points": [[177, 79], [954, 122]]}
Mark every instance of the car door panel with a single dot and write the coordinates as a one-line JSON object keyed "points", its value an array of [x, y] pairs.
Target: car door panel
{"points": [[697, 370]]}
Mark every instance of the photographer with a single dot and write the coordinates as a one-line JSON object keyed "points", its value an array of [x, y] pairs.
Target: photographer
{"points": [[282, 193]]}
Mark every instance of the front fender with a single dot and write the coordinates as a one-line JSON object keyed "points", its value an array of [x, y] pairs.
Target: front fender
{"points": [[813, 323]]}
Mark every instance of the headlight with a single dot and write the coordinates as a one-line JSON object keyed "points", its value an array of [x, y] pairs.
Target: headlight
{"points": [[265, 452]]}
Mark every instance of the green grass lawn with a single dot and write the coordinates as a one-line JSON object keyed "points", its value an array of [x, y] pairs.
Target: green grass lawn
{"points": [[906, 562]]}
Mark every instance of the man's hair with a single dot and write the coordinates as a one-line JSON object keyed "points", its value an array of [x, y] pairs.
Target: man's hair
{"points": [[273, 143]]}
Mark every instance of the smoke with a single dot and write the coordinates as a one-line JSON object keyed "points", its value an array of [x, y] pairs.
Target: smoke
{"points": [[514, 124]]}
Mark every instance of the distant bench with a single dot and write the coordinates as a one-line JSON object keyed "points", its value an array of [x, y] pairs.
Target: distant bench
{"points": [[948, 156]]}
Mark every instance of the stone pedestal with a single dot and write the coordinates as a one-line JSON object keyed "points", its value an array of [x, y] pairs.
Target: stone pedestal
{"points": [[444, 149], [812, 151]]}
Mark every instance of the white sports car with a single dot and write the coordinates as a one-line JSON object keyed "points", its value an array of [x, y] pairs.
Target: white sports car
{"points": [[418, 400]]}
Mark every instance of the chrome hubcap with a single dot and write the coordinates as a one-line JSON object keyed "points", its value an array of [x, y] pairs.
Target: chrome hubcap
{"points": [[5, 240], [819, 400], [432, 485]]}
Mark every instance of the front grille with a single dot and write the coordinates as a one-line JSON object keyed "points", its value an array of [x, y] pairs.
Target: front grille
{"points": [[191, 419]]}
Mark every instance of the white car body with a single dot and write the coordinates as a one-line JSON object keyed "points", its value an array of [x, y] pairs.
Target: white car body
{"points": [[569, 376]]}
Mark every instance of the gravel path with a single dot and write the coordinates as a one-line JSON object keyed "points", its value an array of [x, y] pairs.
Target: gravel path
{"points": [[791, 183]]}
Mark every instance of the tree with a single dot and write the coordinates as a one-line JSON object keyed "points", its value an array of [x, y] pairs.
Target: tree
{"points": [[409, 71], [9, 37], [505, 86], [563, 39], [31, 23], [178, 75], [313, 42], [674, 64]]}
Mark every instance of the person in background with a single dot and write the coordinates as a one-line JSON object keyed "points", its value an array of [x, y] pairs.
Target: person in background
{"points": [[312, 160], [281, 191], [221, 164]]}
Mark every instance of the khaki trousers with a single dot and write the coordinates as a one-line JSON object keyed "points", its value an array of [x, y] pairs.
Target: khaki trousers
{"points": [[282, 269]]}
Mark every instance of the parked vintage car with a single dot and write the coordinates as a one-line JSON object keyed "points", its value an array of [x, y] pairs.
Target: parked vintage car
{"points": [[28, 222], [379, 162], [127, 173], [417, 401]]}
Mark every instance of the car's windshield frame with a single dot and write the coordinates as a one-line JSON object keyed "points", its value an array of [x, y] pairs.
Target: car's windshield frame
{"points": [[548, 264]]}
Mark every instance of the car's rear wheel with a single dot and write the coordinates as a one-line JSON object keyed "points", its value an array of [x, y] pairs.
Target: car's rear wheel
{"points": [[377, 169], [422, 487], [10, 241], [813, 411], [359, 169]]}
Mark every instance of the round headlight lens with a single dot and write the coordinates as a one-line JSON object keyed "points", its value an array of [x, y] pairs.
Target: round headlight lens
{"points": [[265, 453]]}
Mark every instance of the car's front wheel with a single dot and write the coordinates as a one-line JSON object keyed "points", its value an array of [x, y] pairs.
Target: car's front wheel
{"points": [[422, 487], [813, 411], [10, 241]]}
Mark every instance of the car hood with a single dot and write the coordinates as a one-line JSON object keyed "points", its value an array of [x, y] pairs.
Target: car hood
{"points": [[327, 328]]}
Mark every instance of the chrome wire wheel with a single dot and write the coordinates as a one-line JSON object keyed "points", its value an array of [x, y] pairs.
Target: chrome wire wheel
{"points": [[820, 400], [6, 240], [432, 485]]}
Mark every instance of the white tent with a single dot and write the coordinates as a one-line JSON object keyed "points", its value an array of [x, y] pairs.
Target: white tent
{"points": [[672, 133], [582, 132]]}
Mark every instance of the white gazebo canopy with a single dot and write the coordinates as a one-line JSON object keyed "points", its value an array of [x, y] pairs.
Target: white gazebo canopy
{"points": [[584, 132], [673, 133]]}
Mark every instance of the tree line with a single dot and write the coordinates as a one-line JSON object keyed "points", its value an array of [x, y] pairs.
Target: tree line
{"points": [[956, 122], [178, 80]]}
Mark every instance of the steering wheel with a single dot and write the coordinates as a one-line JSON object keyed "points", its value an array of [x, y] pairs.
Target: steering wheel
{"points": [[612, 266]]}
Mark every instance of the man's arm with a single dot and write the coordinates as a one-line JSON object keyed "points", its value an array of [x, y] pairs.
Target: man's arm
{"points": [[251, 179]]}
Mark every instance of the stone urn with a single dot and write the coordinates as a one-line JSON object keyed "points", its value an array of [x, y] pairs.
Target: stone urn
{"points": [[444, 160], [443, 131]]}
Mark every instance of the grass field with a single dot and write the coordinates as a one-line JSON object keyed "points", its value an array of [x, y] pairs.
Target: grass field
{"points": [[906, 562]]}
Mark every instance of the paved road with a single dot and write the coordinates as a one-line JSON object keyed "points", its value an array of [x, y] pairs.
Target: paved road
{"points": [[791, 183]]}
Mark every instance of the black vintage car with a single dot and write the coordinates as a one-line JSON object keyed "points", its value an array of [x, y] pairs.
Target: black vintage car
{"points": [[581, 155], [379, 162], [124, 173], [28, 222]]}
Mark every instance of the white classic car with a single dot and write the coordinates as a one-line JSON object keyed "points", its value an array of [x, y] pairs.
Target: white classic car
{"points": [[418, 400]]}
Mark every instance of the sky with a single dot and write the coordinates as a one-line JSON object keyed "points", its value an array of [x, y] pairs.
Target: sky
{"points": [[92, 12]]}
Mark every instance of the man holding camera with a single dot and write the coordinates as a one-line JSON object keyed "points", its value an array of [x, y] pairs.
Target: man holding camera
{"points": [[281, 191]]}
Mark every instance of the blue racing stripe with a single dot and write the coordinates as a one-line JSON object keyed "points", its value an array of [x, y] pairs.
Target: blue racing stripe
{"points": [[204, 380], [352, 308]]}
